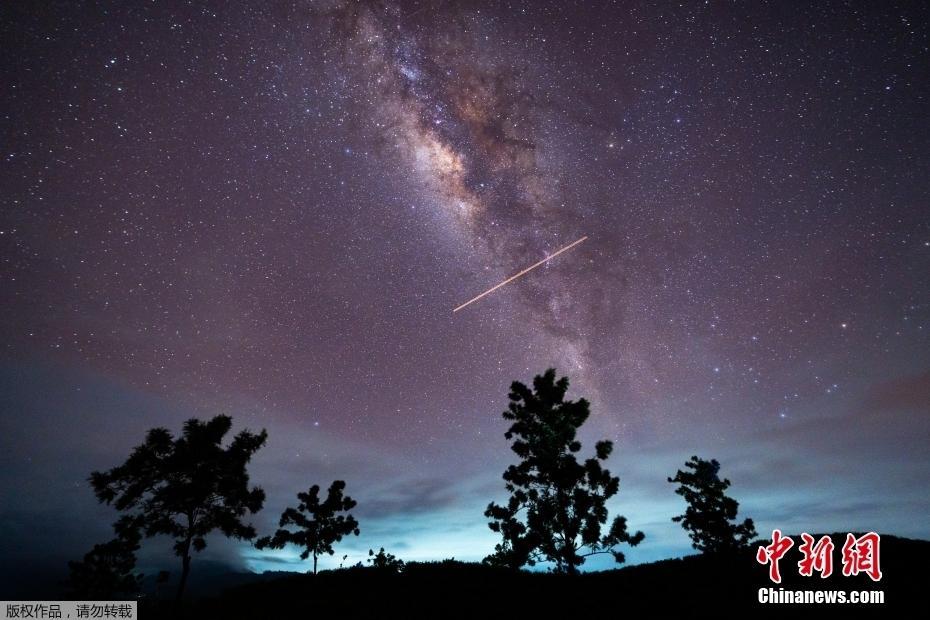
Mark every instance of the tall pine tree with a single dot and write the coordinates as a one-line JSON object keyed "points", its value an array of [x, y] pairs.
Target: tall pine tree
{"points": [[710, 518], [187, 487], [319, 524], [557, 506]]}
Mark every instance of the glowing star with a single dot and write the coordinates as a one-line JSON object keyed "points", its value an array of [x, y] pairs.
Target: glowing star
{"points": [[524, 272]]}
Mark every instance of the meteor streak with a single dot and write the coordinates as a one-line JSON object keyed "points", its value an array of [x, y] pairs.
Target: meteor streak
{"points": [[517, 275]]}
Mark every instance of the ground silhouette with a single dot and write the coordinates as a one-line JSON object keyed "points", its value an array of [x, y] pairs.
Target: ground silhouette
{"points": [[725, 583]]}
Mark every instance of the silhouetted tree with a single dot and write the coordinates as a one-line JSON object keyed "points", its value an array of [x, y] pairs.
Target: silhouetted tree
{"points": [[557, 505], [385, 561], [320, 525], [710, 516], [518, 545], [187, 487], [161, 581], [107, 570]]}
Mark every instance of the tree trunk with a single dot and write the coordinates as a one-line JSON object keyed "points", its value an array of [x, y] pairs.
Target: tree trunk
{"points": [[186, 559], [314, 563]]}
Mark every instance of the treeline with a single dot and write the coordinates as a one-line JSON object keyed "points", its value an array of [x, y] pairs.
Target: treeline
{"points": [[194, 485]]}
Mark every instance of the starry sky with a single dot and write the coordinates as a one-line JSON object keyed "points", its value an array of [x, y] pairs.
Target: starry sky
{"points": [[270, 210]]}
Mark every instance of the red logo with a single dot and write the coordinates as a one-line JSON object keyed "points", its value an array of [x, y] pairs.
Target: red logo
{"points": [[817, 557], [773, 553], [860, 555]]}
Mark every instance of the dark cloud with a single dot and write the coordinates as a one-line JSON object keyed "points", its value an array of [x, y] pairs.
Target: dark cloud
{"points": [[909, 394], [410, 497]]}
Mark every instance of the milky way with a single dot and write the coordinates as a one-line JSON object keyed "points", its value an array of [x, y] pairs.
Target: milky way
{"points": [[467, 120], [270, 209]]}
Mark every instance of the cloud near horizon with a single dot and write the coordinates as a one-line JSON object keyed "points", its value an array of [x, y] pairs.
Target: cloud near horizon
{"points": [[802, 480]]}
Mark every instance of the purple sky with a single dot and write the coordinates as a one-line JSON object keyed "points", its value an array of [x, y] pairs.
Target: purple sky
{"points": [[270, 210]]}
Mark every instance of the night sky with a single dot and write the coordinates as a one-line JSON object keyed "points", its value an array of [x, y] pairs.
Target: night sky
{"points": [[270, 210]]}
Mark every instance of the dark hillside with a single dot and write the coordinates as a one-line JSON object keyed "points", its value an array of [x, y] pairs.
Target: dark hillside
{"points": [[438, 589]]}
